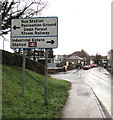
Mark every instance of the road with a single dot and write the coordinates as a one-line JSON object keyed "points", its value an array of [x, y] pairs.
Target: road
{"points": [[98, 79]]}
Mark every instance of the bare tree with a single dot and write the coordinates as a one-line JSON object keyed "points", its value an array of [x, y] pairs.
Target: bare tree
{"points": [[10, 9], [19, 9]]}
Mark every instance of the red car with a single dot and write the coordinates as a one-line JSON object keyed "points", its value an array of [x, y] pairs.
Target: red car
{"points": [[86, 67], [93, 65]]}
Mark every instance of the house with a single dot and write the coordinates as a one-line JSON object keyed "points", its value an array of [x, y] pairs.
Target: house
{"points": [[92, 59], [78, 59], [104, 61], [59, 59], [74, 61], [110, 60], [56, 65]]}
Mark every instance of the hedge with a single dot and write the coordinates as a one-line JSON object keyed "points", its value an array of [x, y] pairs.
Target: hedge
{"points": [[16, 60]]}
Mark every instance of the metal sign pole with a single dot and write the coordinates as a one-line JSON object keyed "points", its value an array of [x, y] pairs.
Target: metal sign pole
{"points": [[23, 72], [3, 44], [46, 78]]}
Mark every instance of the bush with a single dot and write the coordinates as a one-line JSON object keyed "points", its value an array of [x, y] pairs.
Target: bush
{"points": [[16, 60]]}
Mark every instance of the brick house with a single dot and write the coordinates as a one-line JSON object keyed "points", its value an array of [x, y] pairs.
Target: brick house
{"points": [[78, 59]]}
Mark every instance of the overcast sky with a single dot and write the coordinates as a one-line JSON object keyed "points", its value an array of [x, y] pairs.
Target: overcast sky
{"points": [[82, 24]]}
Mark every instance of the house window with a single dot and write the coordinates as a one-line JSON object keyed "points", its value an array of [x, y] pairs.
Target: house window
{"points": [[78, 61]]}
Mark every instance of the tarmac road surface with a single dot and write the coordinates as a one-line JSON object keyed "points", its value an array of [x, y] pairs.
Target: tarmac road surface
{"points": [[89, 88]]}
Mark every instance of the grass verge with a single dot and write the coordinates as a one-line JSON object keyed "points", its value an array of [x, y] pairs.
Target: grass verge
{"points": [[32, 105]]}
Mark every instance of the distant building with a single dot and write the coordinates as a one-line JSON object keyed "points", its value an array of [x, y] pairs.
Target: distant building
{"points": [[104, 61], [74, 61], [59, 59], [78, 59], [110, 60], [92, 59]]}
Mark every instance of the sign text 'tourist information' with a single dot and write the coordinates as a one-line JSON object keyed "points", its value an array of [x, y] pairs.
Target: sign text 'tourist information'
{"points": [[30, 33]]}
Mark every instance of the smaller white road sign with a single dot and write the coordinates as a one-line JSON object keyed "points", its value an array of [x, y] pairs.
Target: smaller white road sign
{"points": [[30, 33]]}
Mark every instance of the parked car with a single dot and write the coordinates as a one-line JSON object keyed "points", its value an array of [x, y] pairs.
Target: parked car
{"points": [[93, 65], [86, 67]]}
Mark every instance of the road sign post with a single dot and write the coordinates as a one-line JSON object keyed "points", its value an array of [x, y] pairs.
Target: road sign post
{"points": [[23, 72], [28, 33], [46, 78]]}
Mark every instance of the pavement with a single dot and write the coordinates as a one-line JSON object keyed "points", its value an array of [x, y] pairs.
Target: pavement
{"points": [[82, 102], [104, 71]]}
